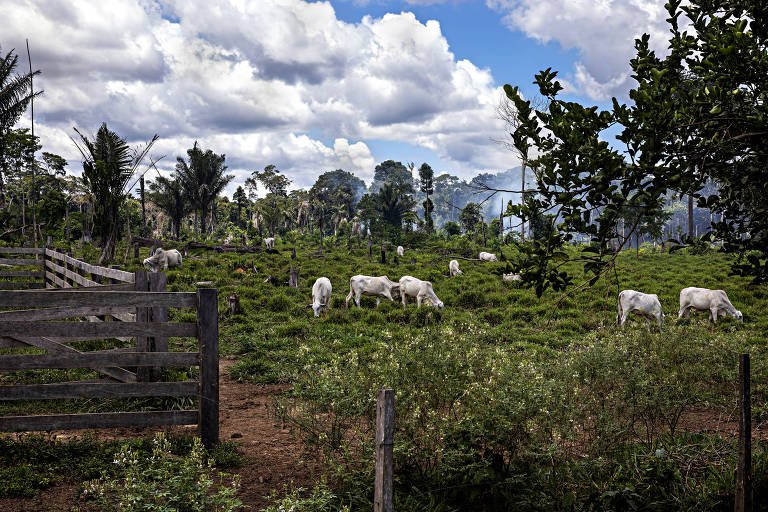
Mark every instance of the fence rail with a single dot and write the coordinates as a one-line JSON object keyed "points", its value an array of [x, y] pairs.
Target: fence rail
{"points": [[13, 257]]}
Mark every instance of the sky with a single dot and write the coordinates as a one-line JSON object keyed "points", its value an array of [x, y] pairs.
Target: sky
{"points": [[316, 86]]}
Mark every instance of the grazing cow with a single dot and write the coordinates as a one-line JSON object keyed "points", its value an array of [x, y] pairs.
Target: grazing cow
{"points": [[379, 287], [702, 299], [453, 268], [512, 277], [161, 259], [400, 251], [321, 295], [647, 305], [422, 290], [269, 242], [487, 256]]}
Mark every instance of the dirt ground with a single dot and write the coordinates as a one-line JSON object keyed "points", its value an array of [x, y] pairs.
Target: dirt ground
{"points": [[273, 456]]}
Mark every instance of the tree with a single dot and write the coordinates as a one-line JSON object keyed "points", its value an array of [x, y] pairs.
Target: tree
{"points": [[168, 195], [241, 199], [272, 207], [426, 175], [15, 96], [471, 217], [203, 178], [109, 165], [394, 173], [452, 228]]}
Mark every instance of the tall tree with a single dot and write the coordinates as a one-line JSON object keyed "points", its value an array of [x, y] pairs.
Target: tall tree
{"points": [[203, 178], [109, 165], [273, 206], [471, 217], [426, 175], [394, 173], [168, 195], [241, 199]]}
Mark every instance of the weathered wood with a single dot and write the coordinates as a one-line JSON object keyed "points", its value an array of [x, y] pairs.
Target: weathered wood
{"points": [[57, 281], [293, 277], [21, 273], [96, 329], [54, 346], [98, 360], [6, 342], [157, 283], [92, 390], [385, 426], [124, 287], [59, 313], [18, 261], [97, 420], [19, 285], [208, 341], [743, 501], [96, 297], [120, 275], [72, 276], [143, 314], [21, 250]]}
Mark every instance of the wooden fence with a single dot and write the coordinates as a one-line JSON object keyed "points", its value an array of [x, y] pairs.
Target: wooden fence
{"points": [[12, 257]]}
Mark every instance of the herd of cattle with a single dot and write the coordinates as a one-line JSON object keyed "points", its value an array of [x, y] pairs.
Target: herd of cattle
{"points": [[716, 302]]}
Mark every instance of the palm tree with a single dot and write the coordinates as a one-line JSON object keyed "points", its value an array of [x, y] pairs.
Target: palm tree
{"points": [[168, 196], [202, 179], [395, 206], [109, 164]]}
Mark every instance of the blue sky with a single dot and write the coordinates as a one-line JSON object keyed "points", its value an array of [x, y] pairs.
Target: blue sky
{"points": [[315, 86]]}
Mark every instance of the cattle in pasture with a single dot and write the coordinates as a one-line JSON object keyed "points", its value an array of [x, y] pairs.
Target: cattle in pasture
{"points": [[380, 287], [269, 243], [453, 268], [162, 259], [400, 251], [421, 290], [703, 299], [647, 305], [487, 256], [321, 295], [511, 277]]}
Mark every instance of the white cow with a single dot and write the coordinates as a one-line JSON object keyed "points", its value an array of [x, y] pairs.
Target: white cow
{"points": [[512, 277], [321, 295], [453, 268], [647, 305], [702, 299], [161, 259], [379, 287], [400, 251], [422, 290], [269, 242], [487, 256]]}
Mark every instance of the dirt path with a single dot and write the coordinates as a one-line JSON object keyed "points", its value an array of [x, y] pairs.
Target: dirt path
{"points": [[273, 456]]}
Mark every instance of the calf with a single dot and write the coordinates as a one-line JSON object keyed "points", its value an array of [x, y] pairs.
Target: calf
{"points": [[379, 287], [422, 290], [487, 256], [647, 305], [400, 251], [161, 259], [703, 299], [453, 268], [269, 243], [321, 295]]}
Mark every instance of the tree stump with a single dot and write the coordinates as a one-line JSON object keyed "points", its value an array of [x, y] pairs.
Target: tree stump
{"points": [[234, 304], [293, 279], [383, 255]]}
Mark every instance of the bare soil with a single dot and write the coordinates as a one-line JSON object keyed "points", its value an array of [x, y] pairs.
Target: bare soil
{"points": [[273, 457]]}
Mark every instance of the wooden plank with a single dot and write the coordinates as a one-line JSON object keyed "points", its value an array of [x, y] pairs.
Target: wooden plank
{"points": [[96, 329], [385, 427], [98, 360], [125, 287], [74, 276], [97, 420], [55, 347], [97, 298], [91, 390], [17, 261], [121, 275], [208, 341], [21, 250], [6, 342], [743, 499], [158, 283], [142, 315], [22, 273], [19, 285], [59, 313]]}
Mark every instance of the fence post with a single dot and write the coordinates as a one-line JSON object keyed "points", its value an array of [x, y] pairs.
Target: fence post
{"points": [[385, 426], [744, 465], [208, 340], [293, 278], [71, 268], [45, 258], [142, 315], [157, 283]]}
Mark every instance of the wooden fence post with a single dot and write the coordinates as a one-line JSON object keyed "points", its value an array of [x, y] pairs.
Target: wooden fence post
{"points": [[208, 340], [71, 267], [45, 257], [385, 426], [744, 465], [141, 284], [157, 283]]}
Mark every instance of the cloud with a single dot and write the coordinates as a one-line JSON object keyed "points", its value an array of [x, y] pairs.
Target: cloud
{"points": [[603, 31], [253, 80]]}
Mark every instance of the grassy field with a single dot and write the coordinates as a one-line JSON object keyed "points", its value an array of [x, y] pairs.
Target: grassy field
{"points": [[504, 401]]}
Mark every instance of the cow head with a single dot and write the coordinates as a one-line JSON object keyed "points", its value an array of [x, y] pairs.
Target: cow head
{"points": [[738, 315]]}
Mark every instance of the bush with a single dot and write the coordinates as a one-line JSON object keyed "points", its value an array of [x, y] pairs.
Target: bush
{"points": [[163, 483]]}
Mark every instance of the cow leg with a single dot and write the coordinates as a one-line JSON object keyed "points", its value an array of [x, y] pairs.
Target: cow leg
{"points": [[378, 301], [713, 315], [419, 300], [405, 299], [624, 316], [357, 299], [349, 297]]}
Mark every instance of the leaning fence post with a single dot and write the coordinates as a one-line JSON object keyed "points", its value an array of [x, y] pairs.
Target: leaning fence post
{"points": [[744, 465], [208, 340], [385, 426]]}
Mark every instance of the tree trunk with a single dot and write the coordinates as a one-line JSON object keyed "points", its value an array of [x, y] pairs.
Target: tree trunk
{"points": [[68, 230], [690, 216], [522, 201], [203, 222], [501, 222], [143, 208]]}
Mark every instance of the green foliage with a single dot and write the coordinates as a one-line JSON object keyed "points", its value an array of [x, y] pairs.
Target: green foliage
{"points": [[452, 228], [163, 482], [319, 499], [168, 195]]}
